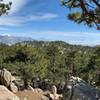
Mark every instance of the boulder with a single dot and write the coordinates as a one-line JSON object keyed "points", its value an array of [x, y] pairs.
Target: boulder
{"points": [[8, 80], [5, 77], [5, 94], [78, 89]]}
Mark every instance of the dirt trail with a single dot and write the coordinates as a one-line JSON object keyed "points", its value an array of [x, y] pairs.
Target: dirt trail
{"points": [[28, 95]]}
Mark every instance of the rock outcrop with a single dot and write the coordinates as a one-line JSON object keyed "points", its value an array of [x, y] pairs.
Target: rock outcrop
{"points": [[5, 77], [8, 80], [5, 94], [78, 89]]}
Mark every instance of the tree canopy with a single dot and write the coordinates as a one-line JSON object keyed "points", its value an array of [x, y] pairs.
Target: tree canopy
{"points": [[53, 61], [84, 11]]}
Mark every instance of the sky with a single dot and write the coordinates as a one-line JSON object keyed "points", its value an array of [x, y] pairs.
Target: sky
{"points": [[45, 20]]}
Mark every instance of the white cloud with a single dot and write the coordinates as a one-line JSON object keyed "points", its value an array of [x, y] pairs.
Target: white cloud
{"points": [[12, 20], [19, 20], [9, 21], [45, 16], [16, 5]]}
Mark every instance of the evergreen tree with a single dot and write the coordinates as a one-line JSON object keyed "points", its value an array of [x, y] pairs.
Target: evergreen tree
{"points": [[4, 8], [87, 11]]}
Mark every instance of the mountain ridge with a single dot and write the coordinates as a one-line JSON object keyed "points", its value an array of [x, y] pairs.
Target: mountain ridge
{"points": [[10, 40]]}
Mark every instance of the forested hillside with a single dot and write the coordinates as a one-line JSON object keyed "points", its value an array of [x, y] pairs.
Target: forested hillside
{"points": [[53, 61]]}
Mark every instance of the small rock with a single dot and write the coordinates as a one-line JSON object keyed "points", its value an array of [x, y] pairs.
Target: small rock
{"points": [[53, 95], [13, 88], [44, 98], [38, 90], [54, 89], [30, 88]]}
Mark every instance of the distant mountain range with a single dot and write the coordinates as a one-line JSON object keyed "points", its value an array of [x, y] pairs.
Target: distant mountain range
{"points": [[9, 40]]}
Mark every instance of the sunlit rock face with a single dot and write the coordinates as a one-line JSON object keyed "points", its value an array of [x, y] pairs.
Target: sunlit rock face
{"points": [[8, 80], [5, 94], [77, 89]]}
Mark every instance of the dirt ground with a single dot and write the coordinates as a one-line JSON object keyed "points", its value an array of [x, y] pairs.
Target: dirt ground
{"points": [[28, 95]]}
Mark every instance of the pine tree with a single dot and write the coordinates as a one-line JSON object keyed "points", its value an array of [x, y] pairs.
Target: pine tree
{"points": [[84, 11]]}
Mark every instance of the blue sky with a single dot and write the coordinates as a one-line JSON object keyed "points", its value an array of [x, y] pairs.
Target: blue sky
{"points": [[45, 20]]}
